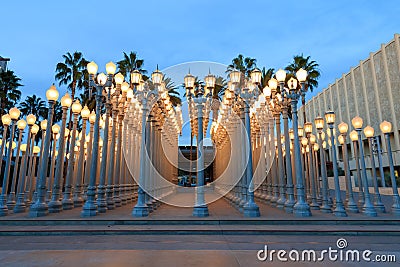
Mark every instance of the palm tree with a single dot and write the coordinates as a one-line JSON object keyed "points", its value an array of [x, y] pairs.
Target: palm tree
{"points": [[130, 63], [243, 64], [311, 66], [219, 88], [36, 106], [9, 93], [173, 92], [266, 75]]}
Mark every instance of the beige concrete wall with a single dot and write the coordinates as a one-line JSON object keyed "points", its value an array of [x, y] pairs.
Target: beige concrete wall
{"points": [[370, 90]]}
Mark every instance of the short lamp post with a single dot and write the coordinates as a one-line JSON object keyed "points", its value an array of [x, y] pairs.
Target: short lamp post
{"points": [[386, 128], [354, 139], [311, 141], [339, 210], [368, 208], [6, 120]]}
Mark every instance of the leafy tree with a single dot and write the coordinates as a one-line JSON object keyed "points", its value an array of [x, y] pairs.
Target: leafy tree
{"points": [[130, 63], [173, 92], [9, 93], [243, 64], [266, 75], [36, 106], [311, 66]]}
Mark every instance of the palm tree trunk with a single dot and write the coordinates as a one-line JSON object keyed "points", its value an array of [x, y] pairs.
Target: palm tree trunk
{"points": [[303, 102]]}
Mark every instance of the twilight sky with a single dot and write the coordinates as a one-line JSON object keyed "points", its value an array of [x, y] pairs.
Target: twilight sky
{"points": [[337, 34]]}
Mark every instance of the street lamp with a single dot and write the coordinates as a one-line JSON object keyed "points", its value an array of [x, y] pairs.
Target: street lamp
{"points": [[301, 208], [354, 139], [369, 133], [14, 115], [55, 129], [40, 208], [67, 202], [351, 204], [6, 120], [311, 141], [368, 208], [386, 128], [90, 207], [339, 209], [55, 204], [21, 124]]}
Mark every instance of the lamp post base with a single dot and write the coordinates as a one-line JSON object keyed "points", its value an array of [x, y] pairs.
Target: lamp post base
{"points": [[369, 211], [380, 207], [67, 204], [89, 209], [301, 210], [38, 210], [340, 212], [55, 206], [289, 205], [200, 211], [140, 211], [352, 207], [251, 210]]}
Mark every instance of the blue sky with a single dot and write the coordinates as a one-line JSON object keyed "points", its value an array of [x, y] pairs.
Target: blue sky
{"points": [[337, 34]]}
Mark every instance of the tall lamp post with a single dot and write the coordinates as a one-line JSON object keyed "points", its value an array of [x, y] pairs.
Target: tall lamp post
{"points": [[40, 207], [14, 115], [6, 120], [55, 204], [386, 128], [311, 140], [90, 206], [301, 208], [339, 210], [354, 139], [351, 204], [368, 208], [369, 133]]}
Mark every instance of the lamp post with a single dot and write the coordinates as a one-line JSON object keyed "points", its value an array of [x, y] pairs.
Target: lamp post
{"points": [[369, 133], [141, 209], [40, 208], [31, 165], [78, 200], [368, 208], [14, 115], [6, 120], [354, 139], [67, 202], [55, 129], [92, 119], [20, 205], [301, 208], [339, 210], [351, 204], [55, 204], [311, 140], [90, 207], [386, 128], [21, 124]]}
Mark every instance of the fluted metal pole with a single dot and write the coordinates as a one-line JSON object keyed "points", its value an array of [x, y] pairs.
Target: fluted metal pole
{"points": [[351, 204]]}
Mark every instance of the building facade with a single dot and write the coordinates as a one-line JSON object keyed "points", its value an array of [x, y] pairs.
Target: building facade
{"points": [[371, 91]]}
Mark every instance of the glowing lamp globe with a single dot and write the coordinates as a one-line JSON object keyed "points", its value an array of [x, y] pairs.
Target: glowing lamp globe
{"points": [[124, 87], [66, 133], [319, 123], [280, 75], [353, 136], [23, 148], [119, 78], [31, 119], [343, 127], [14, 113], [386, 127], [136, 77], [273, 84], [21, 124], [234, 76], [312, 139], [13, 145], [129, 94], [324, 145], [316, 147], [369, 131], [92, 68], [304, 141], [301, 75], [255, 76], [43, 125], [111, 68], [357, 122], [189, 81], [101, 79], [267, 91], [157, 77], [291, 134], [308, 127], [76, 107], [35, 129], [85, 112], [55, 128], [66, 101], [92, 117], [210, 81], [330, 117], [52, 93], [36, 150], [300, 131], [6, 119]]}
